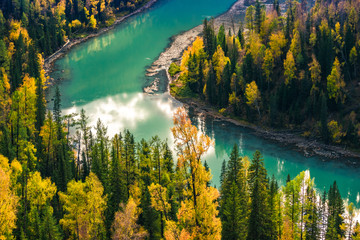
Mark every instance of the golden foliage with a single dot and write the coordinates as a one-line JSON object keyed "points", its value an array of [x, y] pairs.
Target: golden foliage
{"points": [[256, 48], [8, 200], [336, 131], [125, 226], [277, 43], [268, 64], [335, 82], [172, 232], [195, 48], [198, 212], [40, 191], [15, 30], [252, 94], [289, 68], [187, 138], [75, 24], [219, 61], [48, 135], [295, 45], [84, 206], [159, 198], [5, 101], [92, 22]]}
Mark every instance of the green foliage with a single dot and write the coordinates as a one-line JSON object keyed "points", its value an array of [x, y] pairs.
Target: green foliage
{"points": [[259, 218], [174, 69], [234, 203], [294, 60], [127, 186]]}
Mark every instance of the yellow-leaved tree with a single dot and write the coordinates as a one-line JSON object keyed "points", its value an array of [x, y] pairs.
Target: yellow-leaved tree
{"points": [[219, 60], [268, 65], [41, 223], [84, 205], [8, 200], [5, 100], [315, 73], [125, 225], [277, 43], [335, 83], [289, 68], [198, 214], [253, 97], [196, 48]]}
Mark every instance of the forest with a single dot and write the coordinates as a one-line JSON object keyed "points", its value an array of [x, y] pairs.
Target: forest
{"points": [[295, 70], [61, 178]]}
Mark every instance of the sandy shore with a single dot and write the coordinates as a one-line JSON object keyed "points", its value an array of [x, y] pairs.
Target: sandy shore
{"points": [[49, 61], [158, 80]]}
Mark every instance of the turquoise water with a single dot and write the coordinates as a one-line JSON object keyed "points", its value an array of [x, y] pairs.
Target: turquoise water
{"points": [[105, 76]]}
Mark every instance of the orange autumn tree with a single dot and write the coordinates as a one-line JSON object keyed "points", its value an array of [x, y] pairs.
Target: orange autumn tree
{"points": [[198, 214]]}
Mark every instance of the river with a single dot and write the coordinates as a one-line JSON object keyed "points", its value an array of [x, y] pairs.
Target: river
{"points": [[105, 76]]}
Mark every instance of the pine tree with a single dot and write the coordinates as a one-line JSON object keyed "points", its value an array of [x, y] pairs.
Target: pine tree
{"points": [[129, 160], [221, 38], [312, 215], [336, 210], [209, 38], [260, 218], [234, 199], [117, 187], [224, 86], [211, 86], [323, 118], [275, 210], [258, 16], [223, 172]]}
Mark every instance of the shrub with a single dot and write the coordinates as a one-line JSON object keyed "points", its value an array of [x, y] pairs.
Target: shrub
{"points": [[173, 69]]}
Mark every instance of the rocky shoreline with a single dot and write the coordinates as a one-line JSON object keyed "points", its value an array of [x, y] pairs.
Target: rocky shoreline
{"points": [[158, 79], [158, 76], [49, 61], [307, 146]]}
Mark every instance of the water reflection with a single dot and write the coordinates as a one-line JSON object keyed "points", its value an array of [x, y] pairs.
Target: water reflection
{"points": [[105, 77], [147, 116], [279, 160], [137, 112]]}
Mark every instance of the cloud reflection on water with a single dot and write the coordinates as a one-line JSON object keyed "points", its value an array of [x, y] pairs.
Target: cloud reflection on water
{"points": [[137, 112]]}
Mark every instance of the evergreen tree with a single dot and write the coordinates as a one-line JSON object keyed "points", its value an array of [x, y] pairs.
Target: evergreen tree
{"points": [[209, 38], [234, 199], [221, 38], [259, 218], [336, 210], [312, 215], [258, 16], [211, 85], [324, 116]]}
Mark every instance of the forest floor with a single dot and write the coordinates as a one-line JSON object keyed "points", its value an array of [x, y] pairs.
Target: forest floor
{"points": [[50, 60], [159, 79]]}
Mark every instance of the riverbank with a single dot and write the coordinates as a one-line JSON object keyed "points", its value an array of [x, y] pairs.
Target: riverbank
{"points": [[49, 61], [307, 146], [159, 80], [157, 74]]}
